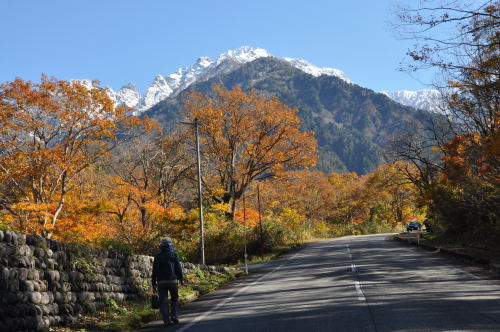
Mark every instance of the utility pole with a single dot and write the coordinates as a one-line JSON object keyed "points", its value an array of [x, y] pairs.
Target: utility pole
{"points": [[260, 224], [245, 233], [261, 231], [200, 200]]}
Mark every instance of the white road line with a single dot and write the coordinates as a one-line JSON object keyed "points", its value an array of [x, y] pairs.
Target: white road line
{"points": [[361, 296], [198, 318], [349, 252], [354, 269]]}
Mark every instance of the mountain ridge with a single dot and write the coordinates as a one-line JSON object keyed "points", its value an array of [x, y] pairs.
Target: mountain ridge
{"points": [[352, 124], [203, 69], [164, 86]]}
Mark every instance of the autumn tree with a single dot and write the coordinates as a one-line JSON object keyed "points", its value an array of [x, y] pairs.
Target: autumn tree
{"points": [[308, 192], [50, 132], [349, 205], [392, 187], [82, 220], [244, 136], [174, 168], [462, 40], [147, 173]]}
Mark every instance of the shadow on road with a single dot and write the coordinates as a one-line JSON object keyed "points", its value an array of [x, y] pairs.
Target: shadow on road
{"points": [[402, 289]]}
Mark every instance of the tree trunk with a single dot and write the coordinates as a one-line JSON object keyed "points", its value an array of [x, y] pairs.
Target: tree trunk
{"points": [[231, 201]]}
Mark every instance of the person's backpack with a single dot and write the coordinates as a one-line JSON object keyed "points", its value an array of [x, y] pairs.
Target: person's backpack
{"points": [[167, 264]]}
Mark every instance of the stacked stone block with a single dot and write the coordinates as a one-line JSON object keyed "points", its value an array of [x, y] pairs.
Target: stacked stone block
{"points": [[45, 282]]}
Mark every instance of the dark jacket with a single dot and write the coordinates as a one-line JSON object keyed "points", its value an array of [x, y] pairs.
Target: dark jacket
{"points": [[166, 266]]}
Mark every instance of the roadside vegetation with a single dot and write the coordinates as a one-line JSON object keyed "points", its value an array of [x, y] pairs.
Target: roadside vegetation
{"points": [[457, 157], [77, 168], [128, 316]]}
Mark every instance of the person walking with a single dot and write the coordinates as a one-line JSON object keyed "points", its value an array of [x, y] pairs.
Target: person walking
{"points": [[167, 274]]}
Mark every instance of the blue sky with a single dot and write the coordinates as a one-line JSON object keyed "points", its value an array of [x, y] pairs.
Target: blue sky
{"points": [[125, 41]]}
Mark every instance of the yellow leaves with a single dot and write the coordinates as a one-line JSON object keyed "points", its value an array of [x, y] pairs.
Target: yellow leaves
{"points": [[220, 207], [436, 149], [34, 212], [175, 213], [341, 180]]}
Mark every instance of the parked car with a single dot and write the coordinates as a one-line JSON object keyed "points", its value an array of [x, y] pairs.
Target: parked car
{"points": [[413, 226]]}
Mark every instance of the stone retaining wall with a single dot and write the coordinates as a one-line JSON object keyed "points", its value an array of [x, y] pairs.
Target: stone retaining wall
{"points": [[45, 282]]}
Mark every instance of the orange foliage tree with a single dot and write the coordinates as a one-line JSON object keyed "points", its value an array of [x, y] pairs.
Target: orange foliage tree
{"points": [[50, 132], [391, 186], [349, 203], [244, 136], [307, 192], [462, 186]]}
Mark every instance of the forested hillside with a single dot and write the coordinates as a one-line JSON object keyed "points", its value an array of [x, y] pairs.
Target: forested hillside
{"points": [[352, 124]]}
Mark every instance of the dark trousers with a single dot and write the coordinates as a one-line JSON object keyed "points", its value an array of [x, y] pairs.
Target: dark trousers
{"points": [[163, 290]]}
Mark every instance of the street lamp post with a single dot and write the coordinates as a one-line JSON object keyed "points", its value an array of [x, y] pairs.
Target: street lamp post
{"points": [[200, 201]]}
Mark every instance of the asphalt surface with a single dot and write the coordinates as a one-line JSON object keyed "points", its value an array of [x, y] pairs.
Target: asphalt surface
{"points": [[365, 283]]}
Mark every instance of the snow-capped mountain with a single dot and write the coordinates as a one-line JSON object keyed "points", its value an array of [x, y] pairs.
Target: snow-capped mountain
{"points": [[127, 95], [204, 69], [157, 91], [427, 99]]}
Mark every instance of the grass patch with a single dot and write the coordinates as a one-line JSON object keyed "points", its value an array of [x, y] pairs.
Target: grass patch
{"points": [[268, 256], [115, 317], [200, 282]]}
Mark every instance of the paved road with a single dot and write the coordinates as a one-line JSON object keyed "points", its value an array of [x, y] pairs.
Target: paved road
{"points": [[364, 283]]}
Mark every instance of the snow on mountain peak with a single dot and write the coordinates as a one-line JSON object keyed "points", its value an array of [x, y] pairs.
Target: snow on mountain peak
{"points": [[204, 69], [184, 76], [426, 99], [130, 86], [127, 95], [204, 61], [243, 54], [157, 91], [159, 79], [316, 71]]}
